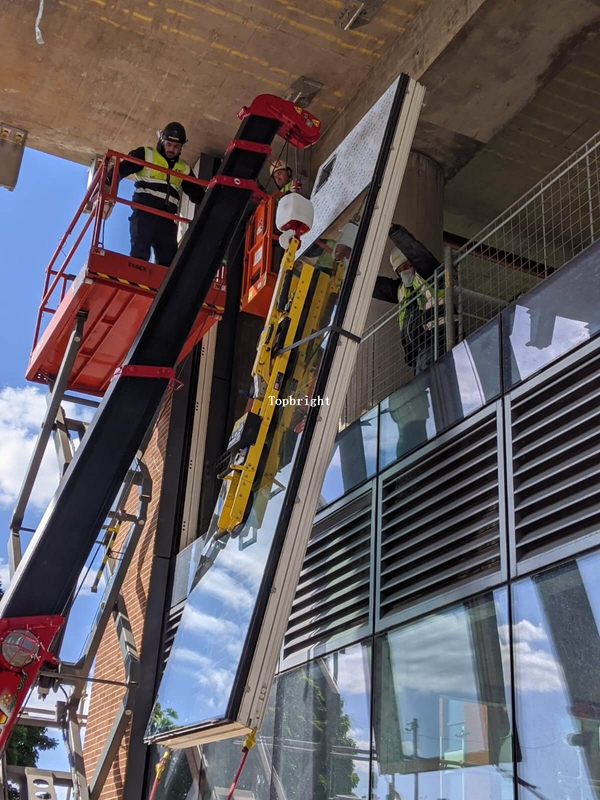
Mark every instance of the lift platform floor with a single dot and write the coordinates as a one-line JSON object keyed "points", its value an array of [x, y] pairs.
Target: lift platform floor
{"points": [[116, 291]]}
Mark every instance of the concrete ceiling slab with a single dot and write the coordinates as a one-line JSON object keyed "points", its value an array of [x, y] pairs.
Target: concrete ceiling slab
{"points": [[113, 71]]}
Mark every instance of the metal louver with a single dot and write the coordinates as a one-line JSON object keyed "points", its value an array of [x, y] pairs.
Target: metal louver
{"points": [[171, 629], [440, 521], [333, 593], [555, 433]]}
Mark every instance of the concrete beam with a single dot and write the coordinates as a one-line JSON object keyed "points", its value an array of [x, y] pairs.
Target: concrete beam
{"points": [[425, 38]]}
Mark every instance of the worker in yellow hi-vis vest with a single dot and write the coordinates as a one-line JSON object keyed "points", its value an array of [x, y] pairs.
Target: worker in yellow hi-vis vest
{"points": [[155, 189]]}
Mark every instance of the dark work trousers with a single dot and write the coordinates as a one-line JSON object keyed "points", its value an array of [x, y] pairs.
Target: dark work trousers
{"points": [[150, 230]]}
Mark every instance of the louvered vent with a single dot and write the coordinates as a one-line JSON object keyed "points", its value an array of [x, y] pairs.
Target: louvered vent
{"points": [[556, 461], [333, 593], [440, 519], [172, 624]]}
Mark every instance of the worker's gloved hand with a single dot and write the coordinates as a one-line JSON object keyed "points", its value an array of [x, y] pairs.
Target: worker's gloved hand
{"points": [[286, 238]]}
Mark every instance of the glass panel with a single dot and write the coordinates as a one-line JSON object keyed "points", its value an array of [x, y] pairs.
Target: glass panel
{"points": [[186, 565], [220, 761], [179, 781], [354, 458], [203, 663], [441, 716], [322, 741], [557, 681], [461, 382], [553, 318]]}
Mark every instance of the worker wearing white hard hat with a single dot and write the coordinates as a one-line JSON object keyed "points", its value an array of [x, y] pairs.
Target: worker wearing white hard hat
{"points": [[414, 296], [282, 176]]}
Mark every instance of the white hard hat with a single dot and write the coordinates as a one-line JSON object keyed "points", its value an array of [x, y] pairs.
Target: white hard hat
{"points": [[276, 166], [397, 258]]}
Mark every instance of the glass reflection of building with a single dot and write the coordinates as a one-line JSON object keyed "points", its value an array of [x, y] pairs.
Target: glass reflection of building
{"points": [[462, 661]]}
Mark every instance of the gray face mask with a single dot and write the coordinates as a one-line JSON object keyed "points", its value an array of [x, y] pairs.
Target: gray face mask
{"points": [[407, 276]]}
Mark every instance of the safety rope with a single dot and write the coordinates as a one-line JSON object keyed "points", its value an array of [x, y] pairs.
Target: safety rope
{"points": [[159, 769], [249, 743]]}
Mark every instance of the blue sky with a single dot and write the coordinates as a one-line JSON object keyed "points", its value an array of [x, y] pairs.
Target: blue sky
{"points": [[32, 220]]}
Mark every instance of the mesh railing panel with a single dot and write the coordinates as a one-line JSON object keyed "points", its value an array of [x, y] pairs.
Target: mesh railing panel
{"points": [[553, 222]]}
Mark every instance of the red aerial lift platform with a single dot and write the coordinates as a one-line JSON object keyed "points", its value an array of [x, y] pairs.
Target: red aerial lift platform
{"points": [[114, 290]]}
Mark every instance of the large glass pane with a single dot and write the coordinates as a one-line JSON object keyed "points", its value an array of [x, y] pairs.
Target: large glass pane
{"points": [[322, 740], [461, 382], [441, 718], [557, 681], [354, 458], [204, 660], [559, 314]]}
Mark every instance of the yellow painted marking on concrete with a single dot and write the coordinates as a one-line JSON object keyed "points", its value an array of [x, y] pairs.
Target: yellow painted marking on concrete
{"points": [[68, 5], [125, 10], [527, 164], [220, 12], [113, 23], [399, 11], [277, 84], [577, 86], [587, 72], [335, 3], [151, 4], [316, 32], [550, 110], [328, 21], [391, 25], [98, 2], [192, 36], [142, 17], [529, 135], [180, 14], [545, 124], [327, 106], [236, 53], [337, 94], [564, 99]]}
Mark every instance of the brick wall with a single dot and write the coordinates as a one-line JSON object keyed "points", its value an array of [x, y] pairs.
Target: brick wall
{"points": [[105, 700]]}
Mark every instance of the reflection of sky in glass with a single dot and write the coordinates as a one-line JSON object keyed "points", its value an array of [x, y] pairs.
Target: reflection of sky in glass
{"points": [[442, 710], [544, 703], [206, 652], [461, 382], [357, 443], [558, 315], [202, 664]]}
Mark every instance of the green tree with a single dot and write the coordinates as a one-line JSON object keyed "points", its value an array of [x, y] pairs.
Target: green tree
{"points": [[313, 736], [26, 743]]}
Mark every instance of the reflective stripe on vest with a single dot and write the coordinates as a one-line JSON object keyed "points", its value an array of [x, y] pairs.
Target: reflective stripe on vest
{"points": [[162, 181], [423, 296]]}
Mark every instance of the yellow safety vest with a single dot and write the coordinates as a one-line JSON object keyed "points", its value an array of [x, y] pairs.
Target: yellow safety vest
{"points": [[423, 296], [148, 176]]}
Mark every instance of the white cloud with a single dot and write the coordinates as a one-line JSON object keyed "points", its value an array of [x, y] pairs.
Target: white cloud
{"points": [[21, 413], [199, 622], [85, 582], [353, 672], [4, 574], [221, 584]]}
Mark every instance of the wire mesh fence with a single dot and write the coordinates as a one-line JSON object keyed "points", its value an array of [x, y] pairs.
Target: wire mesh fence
{"points": [[547, 227]]}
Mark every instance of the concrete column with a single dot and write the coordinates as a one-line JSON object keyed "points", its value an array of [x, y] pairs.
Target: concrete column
{"points": [[420, 208]]}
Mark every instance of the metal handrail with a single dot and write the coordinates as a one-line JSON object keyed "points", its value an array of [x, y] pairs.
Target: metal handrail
{"points": [[98, 192]]}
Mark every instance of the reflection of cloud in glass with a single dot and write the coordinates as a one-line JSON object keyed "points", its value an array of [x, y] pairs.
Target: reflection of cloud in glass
{"points": [[351, 673], [566, 334], [197, 621], [219, 583], [537, 669], [416, 656]]}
